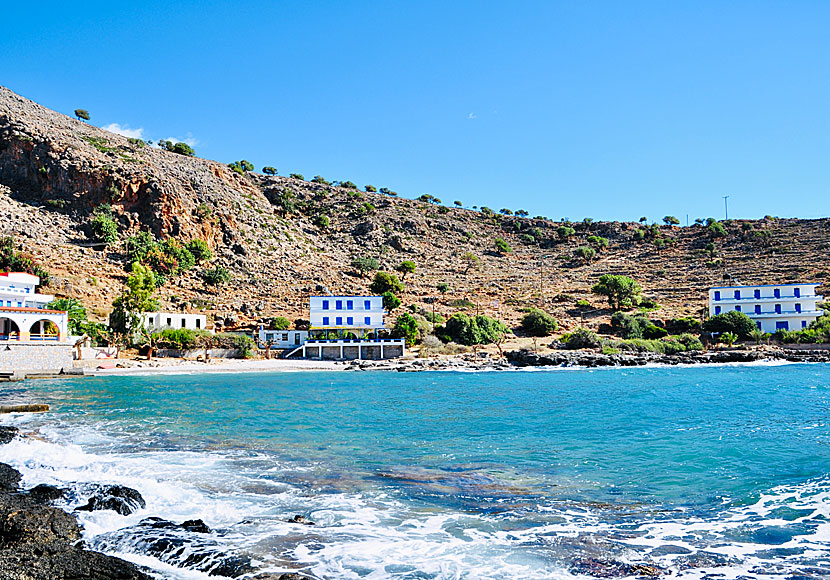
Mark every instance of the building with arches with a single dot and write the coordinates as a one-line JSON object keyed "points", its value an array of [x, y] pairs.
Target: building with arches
{"points": [[23, 313]]}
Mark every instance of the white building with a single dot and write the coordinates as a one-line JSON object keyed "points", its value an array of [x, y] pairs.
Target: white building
{"points": [[341, 313], [772, 307], [281, 338], [160, 320], [23, 316]]}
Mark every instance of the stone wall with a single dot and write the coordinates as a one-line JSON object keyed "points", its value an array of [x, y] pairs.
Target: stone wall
{"points": [[35, 357]]}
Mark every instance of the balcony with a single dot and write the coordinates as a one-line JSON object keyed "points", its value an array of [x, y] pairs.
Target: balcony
{"points": [[745, 299]]}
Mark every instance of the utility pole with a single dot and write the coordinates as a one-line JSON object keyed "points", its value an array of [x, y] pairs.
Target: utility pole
{"points": [[725, 208]]}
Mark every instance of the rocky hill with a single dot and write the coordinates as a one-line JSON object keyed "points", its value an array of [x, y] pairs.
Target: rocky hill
{"points": [[270, 233]]}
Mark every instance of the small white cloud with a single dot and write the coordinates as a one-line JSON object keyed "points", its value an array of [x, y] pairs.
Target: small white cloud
{"points": [[472, 116], [125, 131]]}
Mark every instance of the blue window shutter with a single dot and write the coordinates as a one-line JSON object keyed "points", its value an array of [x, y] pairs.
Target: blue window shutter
{"points": [[776, 293], [758, 324], [778, 309], [757, 294], [339, 321], [325, 304], [738, 308], [798, 307], [339, 304], [717, 294], [349, 304], [737, 294], [349, 320], [325, 321], [797, 292], [803, 324], [367, 304], [717, 309], [758, 310], [367, 320]]}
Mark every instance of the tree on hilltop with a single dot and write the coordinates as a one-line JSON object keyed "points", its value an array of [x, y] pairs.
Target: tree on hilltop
{"points": [[82, 114], [621, 291]]}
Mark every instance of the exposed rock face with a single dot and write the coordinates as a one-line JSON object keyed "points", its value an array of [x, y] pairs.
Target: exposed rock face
{"points": [[267, 231]]}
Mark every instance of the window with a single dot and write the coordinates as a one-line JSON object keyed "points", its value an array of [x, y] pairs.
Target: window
{"points": [[27, 290], [184, 322], [717, 294], [782, 325], [349, 304], [737, 294], [198, 323], [349, 320], [269, 337], [757, 293], [758, 324], [285, 337], [325, 321], [778, 309], [798, 307], [338, 304], [797, 294], [339, 321], [367, 305], [777, 293], [717, 309], [325, 304], [20, 305], [367, 321], [758, 309], [170, 322], [738, 308], [803, 324]]}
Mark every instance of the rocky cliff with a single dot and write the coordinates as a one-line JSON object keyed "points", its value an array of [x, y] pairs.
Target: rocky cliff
{"points": [[270, 233]]}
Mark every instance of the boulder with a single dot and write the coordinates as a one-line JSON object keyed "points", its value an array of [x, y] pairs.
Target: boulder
{"points": [[118, 498], [7, 433], [9, 478]]}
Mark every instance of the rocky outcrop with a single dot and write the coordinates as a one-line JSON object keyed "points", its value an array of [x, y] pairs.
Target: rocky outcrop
{"points": [[121, 499], [38, 542]]}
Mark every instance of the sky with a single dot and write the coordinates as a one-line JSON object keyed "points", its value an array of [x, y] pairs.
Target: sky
{"points": [[608, 110]]}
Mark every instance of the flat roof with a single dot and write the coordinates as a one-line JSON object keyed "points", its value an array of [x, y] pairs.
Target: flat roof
{"points": [[330, 297], [767, 285]]}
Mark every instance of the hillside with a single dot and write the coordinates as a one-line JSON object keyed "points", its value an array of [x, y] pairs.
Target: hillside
{"points": [[55, 170]]}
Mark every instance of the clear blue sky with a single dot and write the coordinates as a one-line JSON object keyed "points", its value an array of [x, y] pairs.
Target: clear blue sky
{"points": [[612, 110]]}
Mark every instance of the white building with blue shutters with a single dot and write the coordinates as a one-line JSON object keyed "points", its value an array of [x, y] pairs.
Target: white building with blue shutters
{"points": [[360, 314], [771, 307]]}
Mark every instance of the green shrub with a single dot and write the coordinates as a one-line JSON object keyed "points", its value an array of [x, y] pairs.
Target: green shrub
{"points": [[585, 253], [683, 324], [82, 114], [565, 232], [502, 247], [581, 338], [621, 291], [390, 301], [472, 331], [442, 287], [735, 322], [728, 338], [138, 246], [462, 303], [103, 226], [136, 142], [371, 188], [598, 242], [636, 326], [386, 282], [184, 259], [716, 230], [318, 179], [671, 220], [297, 176], [406, 267], [268, 170], [216, 276], [280, 323], [180, 338], [365, 264], [537, 322], [76, 313], [180, 148], [322, 221], [199, 250], [406, 327], [241, 342], [242, 166]]}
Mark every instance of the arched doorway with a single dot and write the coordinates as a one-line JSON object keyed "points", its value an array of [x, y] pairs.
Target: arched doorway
{"points": [[9, 329], [44, 330]]}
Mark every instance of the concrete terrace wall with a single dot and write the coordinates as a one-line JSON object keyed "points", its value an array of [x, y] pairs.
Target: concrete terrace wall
{"points": [[35, 357]]}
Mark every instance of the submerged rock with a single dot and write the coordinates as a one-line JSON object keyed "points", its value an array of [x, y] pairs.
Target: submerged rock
{"points": [[45, 494], [184, 545], [599, 568], [121, 499]]}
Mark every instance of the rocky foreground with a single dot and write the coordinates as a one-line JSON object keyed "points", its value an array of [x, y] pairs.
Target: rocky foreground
{"points": [[42, 542]]}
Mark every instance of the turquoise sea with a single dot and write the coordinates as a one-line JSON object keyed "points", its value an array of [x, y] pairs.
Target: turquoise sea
{"points": [[701, 472]]}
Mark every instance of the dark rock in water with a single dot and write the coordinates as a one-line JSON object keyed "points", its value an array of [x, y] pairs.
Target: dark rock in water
{"points": [[613, 569], [7, 434], [37, 541], [197, 526], [121, 499], [9, 478], [183, 545], [298, 519], [45, 494]]}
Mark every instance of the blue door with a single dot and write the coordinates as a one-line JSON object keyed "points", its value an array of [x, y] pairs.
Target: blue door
{"points": [[737, 294], [798, 307], [757, 294], [782, 325], [797, 292], [778, 309], [717, 294], [777, 293], [757, 309]]}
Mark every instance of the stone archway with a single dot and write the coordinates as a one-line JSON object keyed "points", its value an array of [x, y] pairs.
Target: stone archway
{"points": [[9, 329]]}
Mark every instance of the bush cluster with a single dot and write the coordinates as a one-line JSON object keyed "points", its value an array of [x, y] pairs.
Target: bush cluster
{"points": [[637, 326], [537, 322], [732, 321], [14, 261], [471, 330]]}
